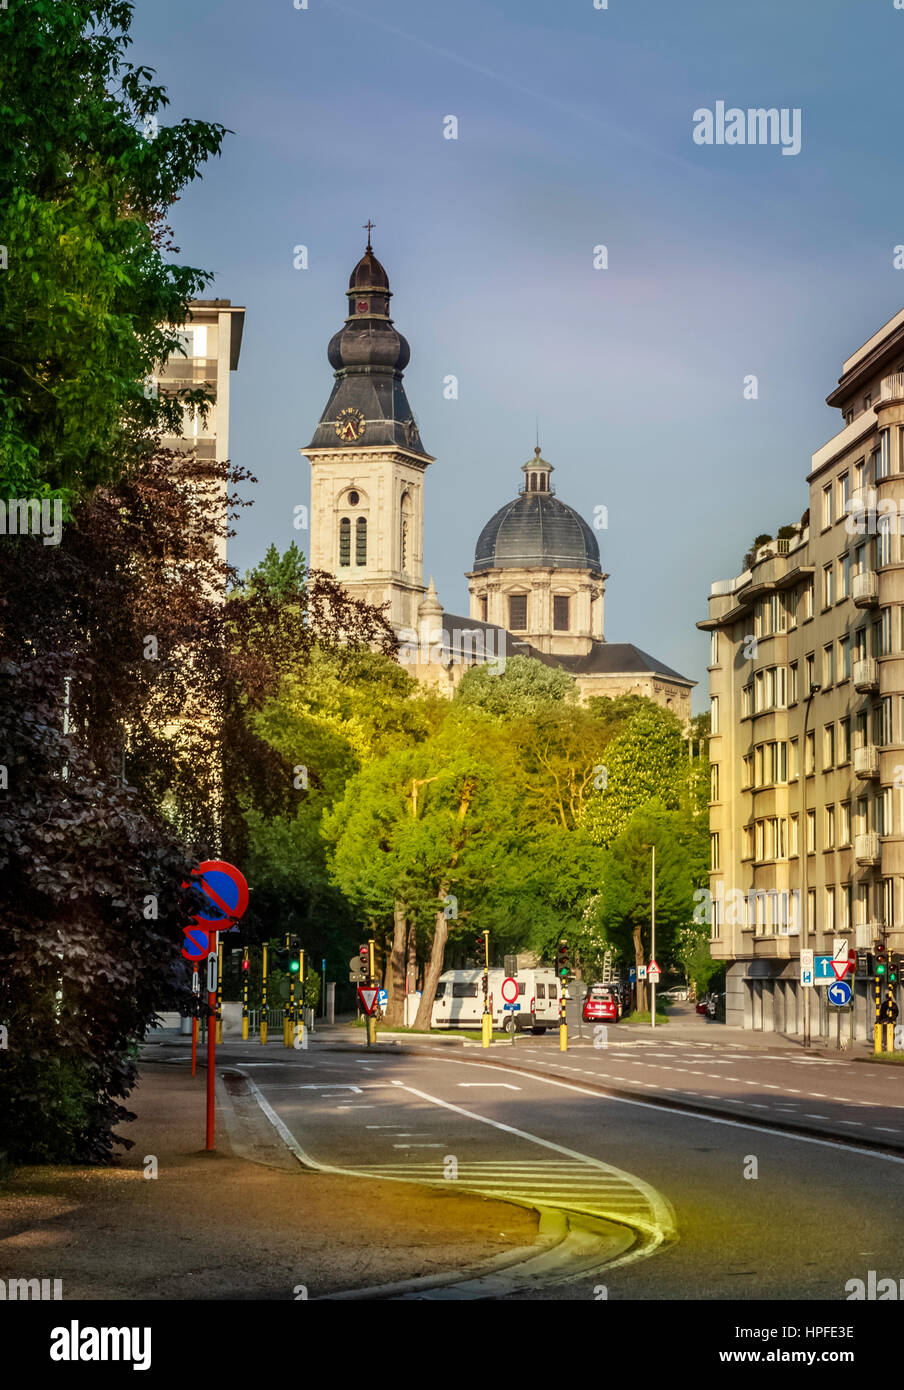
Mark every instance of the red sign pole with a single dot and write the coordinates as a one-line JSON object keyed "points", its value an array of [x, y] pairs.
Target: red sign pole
{"points": [[211, 1063]]}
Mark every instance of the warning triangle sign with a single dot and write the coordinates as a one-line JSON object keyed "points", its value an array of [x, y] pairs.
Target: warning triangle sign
{"points": [[368, 996], [841, 968]]}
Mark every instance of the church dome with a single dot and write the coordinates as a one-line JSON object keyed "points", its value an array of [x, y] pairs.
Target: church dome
{"points": [[537, 531], [368, 274]]}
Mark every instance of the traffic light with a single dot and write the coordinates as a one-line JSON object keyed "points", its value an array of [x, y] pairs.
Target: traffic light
{"points": [[480, 950], [881, 961], [363, 961], [246, 964], [562, 959], [280, 957], [894, 968]]}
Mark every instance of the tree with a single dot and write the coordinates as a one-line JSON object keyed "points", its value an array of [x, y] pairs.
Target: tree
{"points": [[646, 760], [625, 905], [426, 831], [521, 686], [89, 302]]}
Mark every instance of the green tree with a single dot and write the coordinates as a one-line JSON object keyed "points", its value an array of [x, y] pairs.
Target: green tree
{"points": [[625, 903], [90, 301], [646, 760], [521, 687]]}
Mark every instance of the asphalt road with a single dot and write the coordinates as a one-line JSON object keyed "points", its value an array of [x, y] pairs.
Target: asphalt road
{"points": [[718, 1209]]}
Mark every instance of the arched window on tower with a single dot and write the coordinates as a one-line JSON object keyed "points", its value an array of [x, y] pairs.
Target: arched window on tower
{"points": [[345, 542], [404, 517], [361, 541], [533, 482]]}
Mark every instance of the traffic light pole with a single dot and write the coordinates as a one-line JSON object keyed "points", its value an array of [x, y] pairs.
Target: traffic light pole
{"points": [[486, 1020], [245, 995], [211, 1046], [299, 1037], [371, 1021], [264, 998], [563, 976], [219, 988]]}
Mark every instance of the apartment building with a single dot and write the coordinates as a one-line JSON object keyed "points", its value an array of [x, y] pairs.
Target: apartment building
{"points": [[212, 341], [807, 688]]}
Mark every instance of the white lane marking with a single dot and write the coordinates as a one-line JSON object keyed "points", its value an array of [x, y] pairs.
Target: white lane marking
{"points": [[793, 1137], [321, 1086], [504, 1085]]}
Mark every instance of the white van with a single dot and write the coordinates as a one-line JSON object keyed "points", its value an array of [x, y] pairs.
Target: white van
{"points": [[459, 1000]]}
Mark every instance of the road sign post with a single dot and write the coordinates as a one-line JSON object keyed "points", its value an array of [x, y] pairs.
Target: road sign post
{"points": [[211, 1043], [806, 968], [196, 991]]}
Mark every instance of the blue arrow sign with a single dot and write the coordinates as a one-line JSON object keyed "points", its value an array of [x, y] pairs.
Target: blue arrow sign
{"points": [[839, 993], [823, 970]]}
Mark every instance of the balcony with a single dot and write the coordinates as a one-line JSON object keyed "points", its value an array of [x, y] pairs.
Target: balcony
{"points": [[865, 933], [865, 589], [866, 848], [866, 674], [892, 388], [866, 761]]}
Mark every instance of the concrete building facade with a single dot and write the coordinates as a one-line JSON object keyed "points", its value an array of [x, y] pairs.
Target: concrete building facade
{"points": [[807, 747]]}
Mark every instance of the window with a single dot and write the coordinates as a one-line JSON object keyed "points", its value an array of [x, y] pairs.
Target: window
{"points": [[827, 505], [403, 544], [887, 733], [883, 467], [883, 541], [747, 775], [885, 632], [844, 658], [793, 848], [844, 493], [518, 612], [714, 782], [809, 674], [793, 761], [828, 746], [844, 823], [345, 542], [483, 607], [461, 990], [811, 832], [886, 810], [844, 740], [714, 648], [792, 692], [714, 715], [846, 905], [361, 541], [860, 560], [829, 924], [540, 991], [830, 827], [828, 590], [844, 576], [560, 612], [828, 666], [810, 755], [807, 599], [714, 851], [760, 839], [758, 773], [811, 909], [747, 842], [745, 701]]}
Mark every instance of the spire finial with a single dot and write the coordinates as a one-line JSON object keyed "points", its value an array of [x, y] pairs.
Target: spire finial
{"points": [[537, 452], [368, 227]]}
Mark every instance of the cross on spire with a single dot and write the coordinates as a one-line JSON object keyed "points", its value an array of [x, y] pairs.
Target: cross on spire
{"points": [[368, 227]]}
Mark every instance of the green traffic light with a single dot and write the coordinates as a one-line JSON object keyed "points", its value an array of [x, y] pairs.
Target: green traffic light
{"points": [[880, 968], [293, 967]]}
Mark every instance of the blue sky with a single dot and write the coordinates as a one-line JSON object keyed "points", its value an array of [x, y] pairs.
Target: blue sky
{"points": [[575, 130]]}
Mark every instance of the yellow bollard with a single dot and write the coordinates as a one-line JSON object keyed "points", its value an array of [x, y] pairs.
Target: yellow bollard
{"points": [[264, 1000], [563, 1037], [486, 1030]]}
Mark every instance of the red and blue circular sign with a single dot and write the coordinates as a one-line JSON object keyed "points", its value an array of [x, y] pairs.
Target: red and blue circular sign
{"points": [[226, 891], [197, 943]]}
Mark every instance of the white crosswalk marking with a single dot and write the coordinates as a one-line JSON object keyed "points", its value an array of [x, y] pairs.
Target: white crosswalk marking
{"points": [[564, 1183]]}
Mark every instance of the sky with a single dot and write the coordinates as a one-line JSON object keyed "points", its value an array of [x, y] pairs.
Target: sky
{"points": [[575, 130]]}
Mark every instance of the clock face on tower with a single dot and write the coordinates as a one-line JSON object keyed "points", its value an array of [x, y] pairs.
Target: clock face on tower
{"points": [[350, 423]]}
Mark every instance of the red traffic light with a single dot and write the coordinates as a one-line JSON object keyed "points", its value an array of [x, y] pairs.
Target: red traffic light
{"points": [[246, 964]]}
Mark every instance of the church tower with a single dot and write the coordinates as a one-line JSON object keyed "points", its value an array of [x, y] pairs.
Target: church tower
{"points": [[367, 459]]}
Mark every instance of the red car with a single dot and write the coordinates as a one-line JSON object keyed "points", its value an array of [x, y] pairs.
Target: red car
{"points": [[600, 1008]]}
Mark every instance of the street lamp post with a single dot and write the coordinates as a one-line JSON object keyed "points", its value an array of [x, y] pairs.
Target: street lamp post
{"points": [[803, 848]]}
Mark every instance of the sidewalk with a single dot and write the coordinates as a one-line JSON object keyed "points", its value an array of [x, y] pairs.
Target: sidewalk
{"points": [[216, 1226]]}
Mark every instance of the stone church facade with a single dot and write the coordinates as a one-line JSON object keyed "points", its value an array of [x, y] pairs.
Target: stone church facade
{"points": [[536, 585]]}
